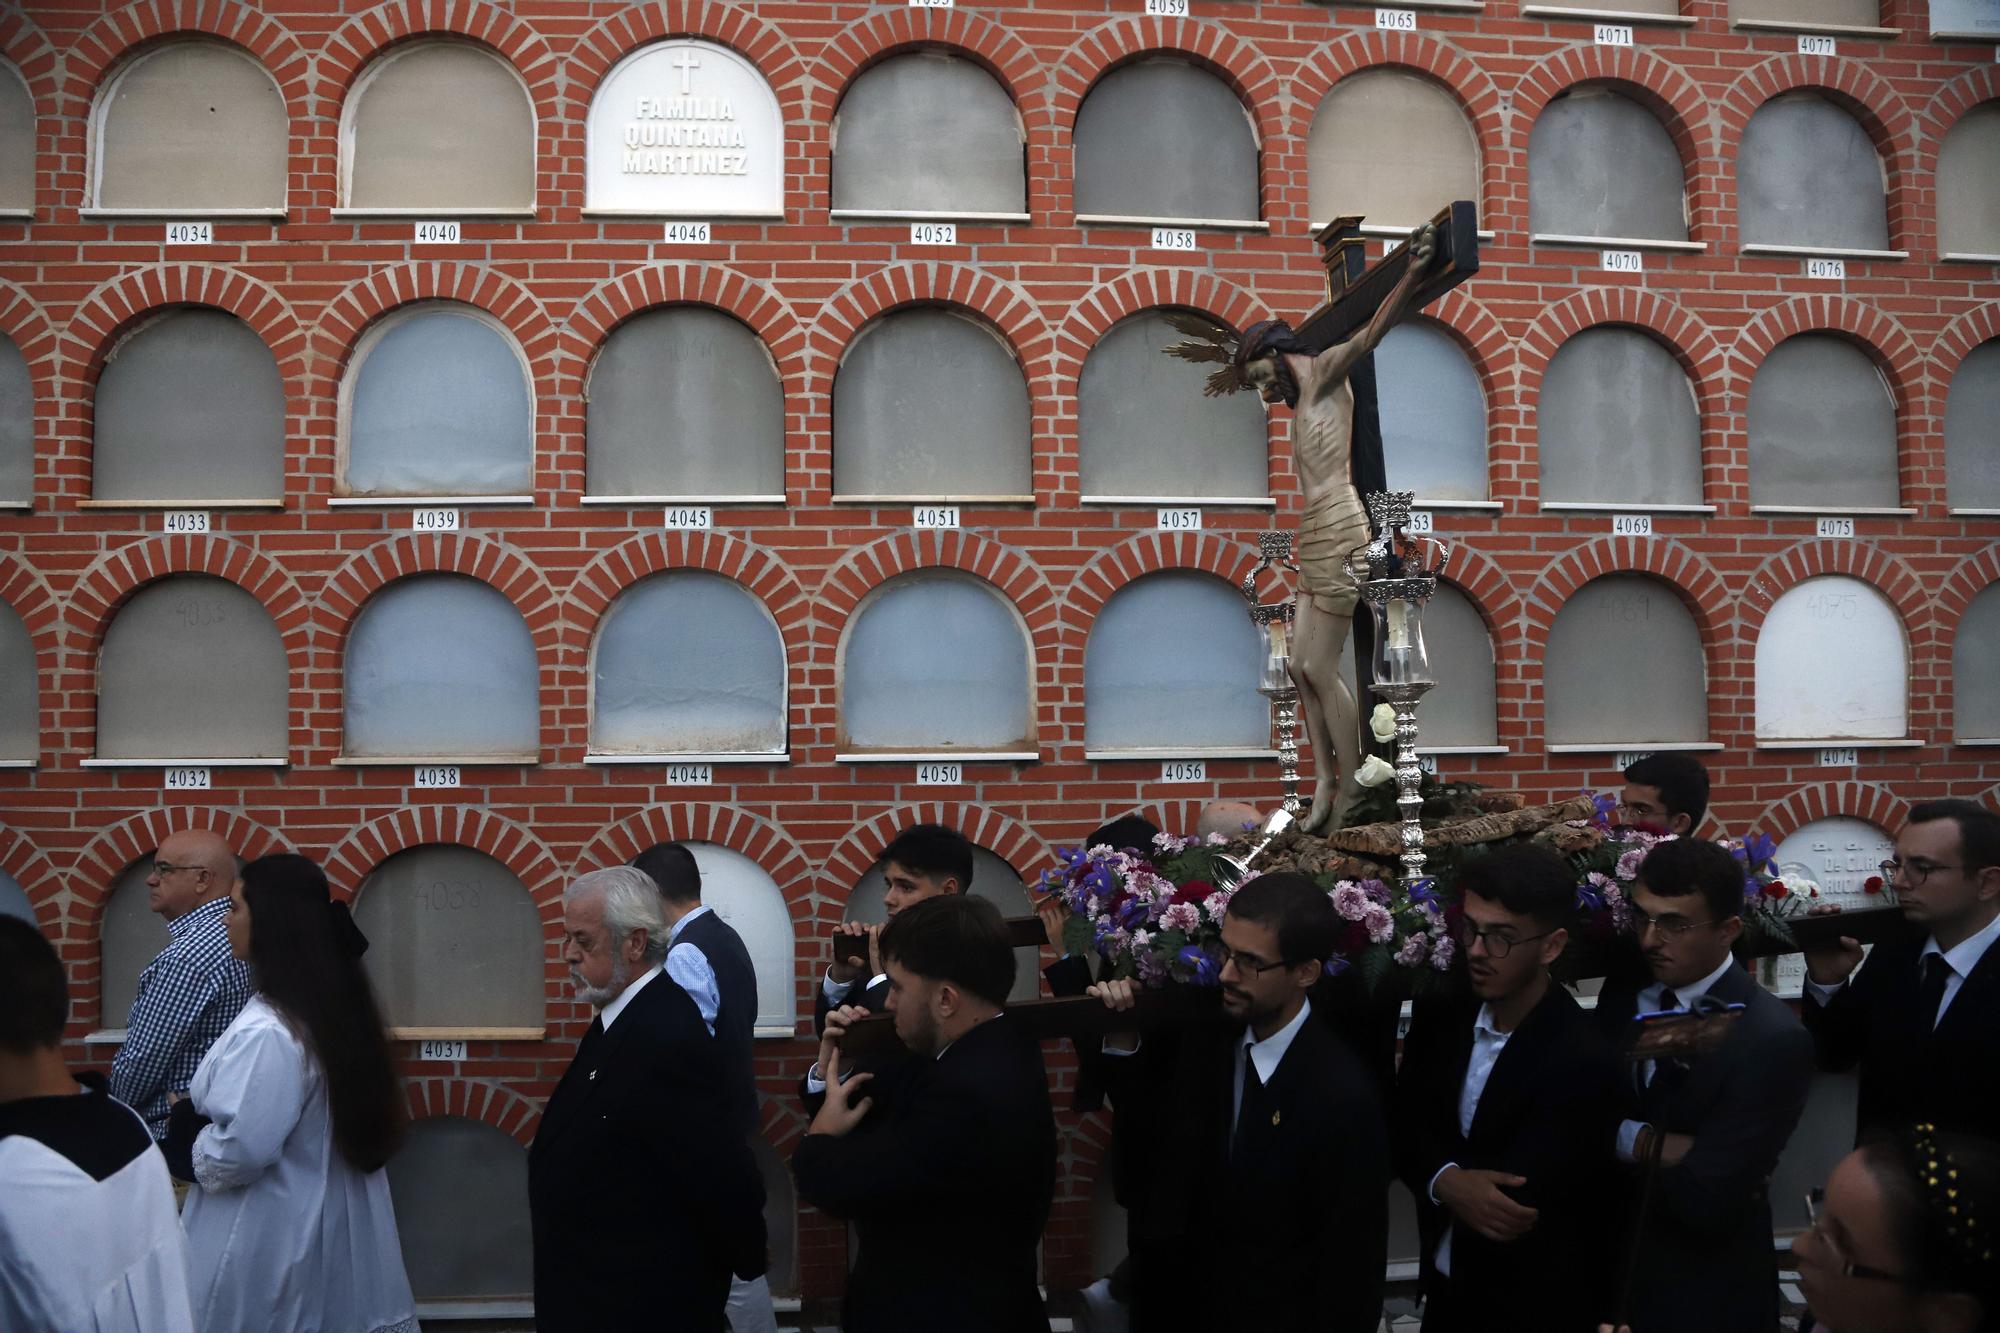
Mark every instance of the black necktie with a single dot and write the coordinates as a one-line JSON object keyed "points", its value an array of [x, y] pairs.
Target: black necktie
{"points": [[1253, 1101], [1930, 994]]}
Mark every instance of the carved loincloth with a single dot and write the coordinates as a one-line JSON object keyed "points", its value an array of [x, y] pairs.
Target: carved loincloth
{"points": [[1329, 529]]}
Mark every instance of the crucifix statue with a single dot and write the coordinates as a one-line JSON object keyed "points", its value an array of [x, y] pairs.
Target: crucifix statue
{"points": [[1309, 370]]}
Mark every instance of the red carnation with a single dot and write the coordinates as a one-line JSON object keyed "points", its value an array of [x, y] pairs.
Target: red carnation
{"points": [[1776, 889], [1194, 891], [1873, 884]]}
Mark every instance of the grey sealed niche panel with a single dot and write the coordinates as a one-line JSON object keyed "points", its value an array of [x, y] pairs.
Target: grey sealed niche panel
{"points": [[454, 941], [191, 125], [1145, 429], [1616, 422], [1822, 427], [192, 667], [936, 662], [1807, 174], [1972, 430], [1392, 146], [460, 1187], [189, 406], [441, 666], [928, 132], [1202, 695], [439, 405], [1159, 138], [1433, 414], [440, 125], [1624, 662], [688, 662], [1600, 164]]}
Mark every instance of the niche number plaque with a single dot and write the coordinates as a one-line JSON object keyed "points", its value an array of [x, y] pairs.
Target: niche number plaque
{"points": [[434, 520], [1836, 527], [1180, 520], [935, 516], [1428, 763], [934, 233], [1626, 758], [1184, 770], [1174, 238], [1173, 9], [1614, 34], [1835, 269], [185, 779], [1623, 261], [185, 520], [1817, 46], [1632, 525], [438, 233], [690, 775], [1420, 521], [1848, 757], [190, 233], [1396, 20], [690, 518], [440, 1050], [688, 233], [940, 775], [438, 775]]}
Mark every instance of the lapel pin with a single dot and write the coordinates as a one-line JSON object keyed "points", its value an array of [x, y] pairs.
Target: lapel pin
{"points": [[593, 1077], [1274, 1119]]}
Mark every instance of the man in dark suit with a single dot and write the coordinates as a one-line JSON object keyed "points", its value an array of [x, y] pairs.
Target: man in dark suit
{"points": [[922, 862], [1267, 1207], [1664, 793], [708, 959], [1718, 1122], [642, 1192], [945, 1163], [1922, 1018], [1504, 1106]]}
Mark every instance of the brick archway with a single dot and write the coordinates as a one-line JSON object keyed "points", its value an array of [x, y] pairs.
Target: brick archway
{"points": [[1830, 800], [495, 1104], [1002, 834], [35, 871]]}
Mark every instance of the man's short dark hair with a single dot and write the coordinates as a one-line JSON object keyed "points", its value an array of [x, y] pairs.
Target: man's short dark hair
{"points": [[954, 937], [672, 867], [1978, 829], [1299, 910], [34, 995], [933, 851], [1688, 866], [1125, 833], [1527, 879], [1682, 781]]}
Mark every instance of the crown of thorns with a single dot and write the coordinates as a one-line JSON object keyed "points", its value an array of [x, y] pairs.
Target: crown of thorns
{"points": [[1213, 344]]}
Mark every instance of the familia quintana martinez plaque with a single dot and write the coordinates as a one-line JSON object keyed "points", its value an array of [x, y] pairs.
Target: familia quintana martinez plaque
{"points": [[685, 128]]}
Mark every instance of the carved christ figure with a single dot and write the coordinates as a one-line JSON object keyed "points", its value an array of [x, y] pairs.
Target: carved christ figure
{"points": [[1269, 359]]}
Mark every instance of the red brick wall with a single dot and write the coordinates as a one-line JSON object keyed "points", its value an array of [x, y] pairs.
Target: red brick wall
{"points": [[310, 284]]}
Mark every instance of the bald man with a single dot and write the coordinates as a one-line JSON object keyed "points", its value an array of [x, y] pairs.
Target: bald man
{"points": [[194, 988], [1232, 819]]}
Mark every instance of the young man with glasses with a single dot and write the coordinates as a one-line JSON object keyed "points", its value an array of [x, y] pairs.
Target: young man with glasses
{"points": [[1664, 793], [1718, 1123], [1503, 1112], [195, 987], [1267, 1206], [1922, 1017]]}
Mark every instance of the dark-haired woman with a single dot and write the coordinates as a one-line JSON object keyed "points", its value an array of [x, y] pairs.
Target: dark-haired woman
{"points": [[287, 1125], [1905, 1237]]}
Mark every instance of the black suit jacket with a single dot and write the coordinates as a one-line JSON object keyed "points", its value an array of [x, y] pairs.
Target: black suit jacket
{"points": [[874, 998], [1706, 1264], [736, 1009], [948, 1182], [1291, 1231], [1546, 1114], [1911, 1071], [643, 1193]]}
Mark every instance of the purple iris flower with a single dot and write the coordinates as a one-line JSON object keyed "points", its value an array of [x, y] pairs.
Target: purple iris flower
{"points": [[1423, 891], [1335, 965], [1760, 851], [1206, 973]]}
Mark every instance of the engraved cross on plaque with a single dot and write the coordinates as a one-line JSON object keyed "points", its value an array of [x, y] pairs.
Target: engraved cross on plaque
{"points": [[686, 62]]}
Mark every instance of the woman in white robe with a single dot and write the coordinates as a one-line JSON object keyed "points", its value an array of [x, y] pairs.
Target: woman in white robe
{"points": [[286, 1230]]}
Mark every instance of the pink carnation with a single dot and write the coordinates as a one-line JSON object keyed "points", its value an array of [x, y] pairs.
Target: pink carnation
{"points": [[1181, 916], [1628, 864], [1381, 926], [1351, 900], [1218, 902], [1441, 954], [1413, 950]]}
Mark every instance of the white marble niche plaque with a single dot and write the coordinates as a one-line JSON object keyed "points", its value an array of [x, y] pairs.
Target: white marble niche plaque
{"points": [[684, 128]]}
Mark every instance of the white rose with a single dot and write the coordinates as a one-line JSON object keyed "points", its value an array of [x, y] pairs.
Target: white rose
{"points": [[1382, 723], [1373, 772]]}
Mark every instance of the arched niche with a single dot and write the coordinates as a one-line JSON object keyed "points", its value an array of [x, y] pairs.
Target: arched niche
{"points": [[17, 426], [1200, 697], [1146, 431], [1617, 422], [1840, 854], [1975, 682], [1968, 183], [684, 403], [436, 402], [1159, 138], [930, 404], [192, 667], [1433, 413], [1807, 174], [20, 690], [17, 142], [992, 879], [460, 1188], [189, 407], [1822, 425], [1624, 666], [685, 128], [687, 662], [1462, 711], [744, 895], [129, 937], [454, 943], [441, 666], [191, 125], [1602, 165], [936, 661], [1824, 620], [1392, 146], [1806, 13], [1971, 444], [929, 132], [14, 901], [438, 124]]}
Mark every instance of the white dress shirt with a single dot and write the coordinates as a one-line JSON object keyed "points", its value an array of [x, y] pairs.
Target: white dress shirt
{"points": [[1268, 1054], [1487, 1043], [1651, 999], [1959, 960], [609, 1013], [693, 973]]}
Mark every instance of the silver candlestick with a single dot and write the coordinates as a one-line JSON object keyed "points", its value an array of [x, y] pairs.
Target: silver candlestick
{"points": [[1397, 574]]}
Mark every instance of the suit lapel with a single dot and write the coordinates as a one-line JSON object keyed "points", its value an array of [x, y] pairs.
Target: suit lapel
{"points": [[1512, 1078], [1970, 1006]]}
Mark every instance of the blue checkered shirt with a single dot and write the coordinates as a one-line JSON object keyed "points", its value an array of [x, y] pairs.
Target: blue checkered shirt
{"points": [[187, 995]]}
